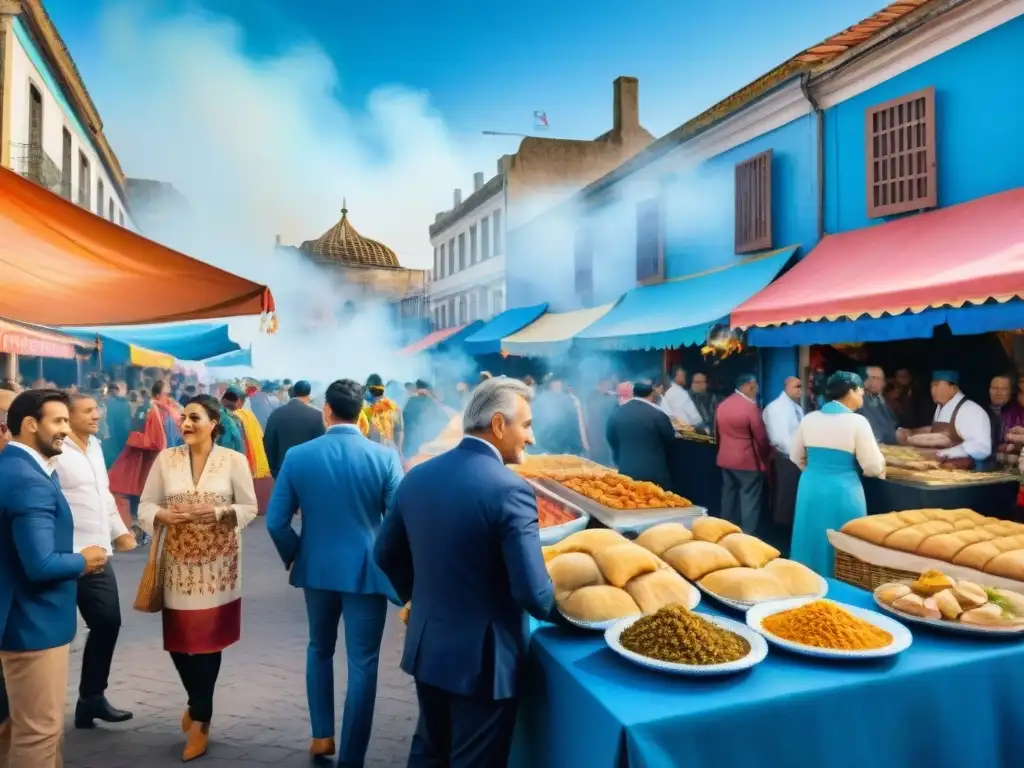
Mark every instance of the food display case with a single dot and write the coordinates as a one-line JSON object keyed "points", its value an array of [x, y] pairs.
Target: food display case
{"points": [[549, 502]]}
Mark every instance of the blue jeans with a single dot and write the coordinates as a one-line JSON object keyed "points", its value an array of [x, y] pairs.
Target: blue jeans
{"points": [[364, 628]]}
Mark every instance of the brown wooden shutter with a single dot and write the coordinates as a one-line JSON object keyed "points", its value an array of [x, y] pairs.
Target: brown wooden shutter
{"points": [[649, 242], [901, 159], [584, 267], [754, 203]]}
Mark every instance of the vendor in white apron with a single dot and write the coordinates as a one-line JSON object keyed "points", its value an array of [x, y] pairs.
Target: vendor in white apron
{"points": [[964, 424]]}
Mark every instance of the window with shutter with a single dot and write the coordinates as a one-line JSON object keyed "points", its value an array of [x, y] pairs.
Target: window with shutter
{"points": [[901, 160], [649, 242], [754, 203], [584, 267]]}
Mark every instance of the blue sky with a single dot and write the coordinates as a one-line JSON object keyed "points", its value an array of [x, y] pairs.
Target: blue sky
{"points": [[490, 65]]}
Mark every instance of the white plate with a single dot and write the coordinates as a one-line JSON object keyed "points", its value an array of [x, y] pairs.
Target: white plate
{"points": [[901, 637], [952, 626], [758, 650], [602, 626], [740, 605]]}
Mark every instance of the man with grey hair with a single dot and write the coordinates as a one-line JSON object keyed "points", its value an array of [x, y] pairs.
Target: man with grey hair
{"points": [[875, 409], [470, 527]]}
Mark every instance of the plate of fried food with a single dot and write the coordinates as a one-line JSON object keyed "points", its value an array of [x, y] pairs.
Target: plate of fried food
{"points": [[622, 493]]}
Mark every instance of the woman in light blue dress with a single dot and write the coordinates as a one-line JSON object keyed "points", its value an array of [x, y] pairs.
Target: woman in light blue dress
{"points": [[828, 446]]}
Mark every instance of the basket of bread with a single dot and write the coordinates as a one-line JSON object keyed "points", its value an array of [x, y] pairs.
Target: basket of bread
{"points": [[939, 600], [600, 577], [897, 546], [735, 568]]}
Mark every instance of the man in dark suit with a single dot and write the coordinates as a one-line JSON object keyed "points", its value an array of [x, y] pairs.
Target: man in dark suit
{"points": [[641, 437], [423, 419], [743, 450], [294, 423], [462, 543], [343, 483], [39, 570]]}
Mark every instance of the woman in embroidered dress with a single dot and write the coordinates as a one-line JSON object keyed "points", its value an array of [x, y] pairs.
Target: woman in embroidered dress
{"points": [[203, 494], [381, 419]]}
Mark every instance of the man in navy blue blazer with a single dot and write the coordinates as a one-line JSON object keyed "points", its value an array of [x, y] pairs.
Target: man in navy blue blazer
{"points": [[462, 542], [343, 483], [39, 570]]}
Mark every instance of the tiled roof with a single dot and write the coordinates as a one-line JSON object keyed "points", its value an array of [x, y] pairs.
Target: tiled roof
{"points": [[343, 244]]}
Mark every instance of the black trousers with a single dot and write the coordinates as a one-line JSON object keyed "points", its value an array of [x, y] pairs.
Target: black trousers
{"points": [[462, 731], [785, 481], [198, 673], [101, 610], [742, 497]]}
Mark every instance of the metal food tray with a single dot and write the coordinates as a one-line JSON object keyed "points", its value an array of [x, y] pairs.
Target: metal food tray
{"points": [[634, 521], [555, 533]]}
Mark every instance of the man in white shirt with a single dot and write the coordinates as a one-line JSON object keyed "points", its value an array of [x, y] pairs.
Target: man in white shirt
{"points": [[83, 478], [965, 422], [678, 404], [782, 417]]}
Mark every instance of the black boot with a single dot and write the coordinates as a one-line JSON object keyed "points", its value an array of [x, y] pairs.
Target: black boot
{"points": [[94, 708]]}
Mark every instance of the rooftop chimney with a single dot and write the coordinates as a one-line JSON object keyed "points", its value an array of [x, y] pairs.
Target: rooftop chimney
{"points": [[504, 163], [277, 240], [458, 198], [439, 216], [478, 180], [626, 105]]}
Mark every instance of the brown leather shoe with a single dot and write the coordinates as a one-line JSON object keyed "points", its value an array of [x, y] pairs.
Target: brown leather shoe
{"points": [[186, 721], [322, 748], [198, 740]]}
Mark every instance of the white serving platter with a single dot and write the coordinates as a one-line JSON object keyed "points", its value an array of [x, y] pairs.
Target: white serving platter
{"points": [[757, 654], [901, 637], [603, 626], [952, 626], [741, 605]]}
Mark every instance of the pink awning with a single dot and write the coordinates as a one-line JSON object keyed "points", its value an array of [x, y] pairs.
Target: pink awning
{"points": [[965, 254], [432, 340]]}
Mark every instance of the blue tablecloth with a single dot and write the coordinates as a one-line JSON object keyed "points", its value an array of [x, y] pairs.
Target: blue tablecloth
{"points": [[949, 701]]}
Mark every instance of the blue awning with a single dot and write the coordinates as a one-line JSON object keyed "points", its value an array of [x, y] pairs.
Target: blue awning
{"points": [[680, 312], [184, 341], [963, 321], [238, 358], [487, 340], [459, 338]]}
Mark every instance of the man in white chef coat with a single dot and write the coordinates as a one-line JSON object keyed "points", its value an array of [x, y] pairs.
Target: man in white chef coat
{"points": [[782, 417], [965, 422], [678, 404], [83, 478]]}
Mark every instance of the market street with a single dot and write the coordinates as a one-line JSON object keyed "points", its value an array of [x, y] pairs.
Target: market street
{"points": [[260, 707]]}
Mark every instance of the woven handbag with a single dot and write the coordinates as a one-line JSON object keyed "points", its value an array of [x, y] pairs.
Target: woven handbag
{"points": [[150, 596]]}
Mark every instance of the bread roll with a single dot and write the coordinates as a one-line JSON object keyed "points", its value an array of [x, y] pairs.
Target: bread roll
{"points": [[976, 556], [946, 546], [873, 528], [696, 559], [653, 591], [662, 538], [623, 562], [912, 517], [909, 539], [589, 541], [713, 528], [573, 570], [945, 515], [1008, 543], [797, 578], [1009, 565], [601, 603], [748, 585], [749, 550], [1000, 528]]}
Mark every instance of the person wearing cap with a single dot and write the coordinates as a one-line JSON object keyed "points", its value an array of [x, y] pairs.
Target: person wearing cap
{"points": [[743, 451], [963, 421], [294, 423]]}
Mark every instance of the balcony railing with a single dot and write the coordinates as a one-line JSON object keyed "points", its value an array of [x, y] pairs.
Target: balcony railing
{"points": [[32, 162]]}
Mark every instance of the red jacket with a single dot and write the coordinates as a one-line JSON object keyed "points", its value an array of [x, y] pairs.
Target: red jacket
{"points": [[742, 438]]}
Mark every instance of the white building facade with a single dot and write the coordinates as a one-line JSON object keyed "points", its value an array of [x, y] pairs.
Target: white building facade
{"points": [[51, 130], [467, 281]]}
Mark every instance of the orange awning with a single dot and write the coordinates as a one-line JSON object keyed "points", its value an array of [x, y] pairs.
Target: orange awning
{"points": [[21, 340], [62, 265], [432, 340]]}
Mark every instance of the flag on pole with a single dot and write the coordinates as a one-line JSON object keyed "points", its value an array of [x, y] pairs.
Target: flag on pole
{"points": [[540, 121]]}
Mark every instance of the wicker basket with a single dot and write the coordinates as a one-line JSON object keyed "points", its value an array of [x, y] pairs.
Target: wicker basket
{"points": [[858, 573]]}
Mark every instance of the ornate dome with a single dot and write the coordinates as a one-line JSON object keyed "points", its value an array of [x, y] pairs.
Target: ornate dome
{"points": [[341, 244]]}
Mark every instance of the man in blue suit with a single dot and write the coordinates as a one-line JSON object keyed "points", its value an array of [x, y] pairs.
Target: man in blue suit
{"points": [[38, 580], [343, 483], [462, 542]]}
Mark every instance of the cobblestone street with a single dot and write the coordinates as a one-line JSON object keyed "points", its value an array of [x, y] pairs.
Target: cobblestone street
{"points": [[260, 708]]}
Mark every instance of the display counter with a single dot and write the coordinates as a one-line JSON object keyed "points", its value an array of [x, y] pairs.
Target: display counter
{"points": [[946, 702], [997, 498], [695, 474]]}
